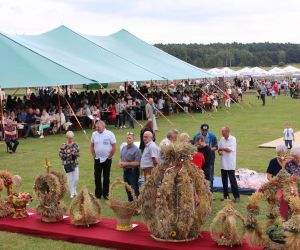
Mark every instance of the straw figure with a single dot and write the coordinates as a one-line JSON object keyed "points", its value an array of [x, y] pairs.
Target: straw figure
{"points": [[85, 209], [230, 234], [175, 200]]}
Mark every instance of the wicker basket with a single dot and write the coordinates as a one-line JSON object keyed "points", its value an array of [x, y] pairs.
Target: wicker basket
{"points": [[123, 210]]}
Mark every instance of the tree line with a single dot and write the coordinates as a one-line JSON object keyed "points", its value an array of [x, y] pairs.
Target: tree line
{"points": [[234, 54]]}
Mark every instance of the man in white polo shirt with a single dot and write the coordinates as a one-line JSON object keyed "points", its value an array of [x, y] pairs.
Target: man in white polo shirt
{"points": [[227, 152], [103, 147]]}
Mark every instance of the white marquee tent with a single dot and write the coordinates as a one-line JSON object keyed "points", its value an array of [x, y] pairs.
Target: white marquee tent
{"points": [[291, 70], [244, 71], [277, 72]]}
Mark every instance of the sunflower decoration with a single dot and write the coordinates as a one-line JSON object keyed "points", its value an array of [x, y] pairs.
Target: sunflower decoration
{"points": [[85, 209], [276, 234], [175, 200], [50, 189], [230, 233]]}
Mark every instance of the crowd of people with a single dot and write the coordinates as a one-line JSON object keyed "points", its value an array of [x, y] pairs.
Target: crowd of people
{"points": [[136, 160], [96, 109], [39, 114]]}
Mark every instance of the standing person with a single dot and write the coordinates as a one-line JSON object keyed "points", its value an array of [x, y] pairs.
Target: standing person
{"points": [[203, 148], [131, 105], [150, 156], [227, 101], [263, 93], [150, 113], [288, 135], [170, 139], [147, 127], [10, 136], [118, 111], [68, 153], [227, 152], [103, 148], [211, 140], [130, 161]]}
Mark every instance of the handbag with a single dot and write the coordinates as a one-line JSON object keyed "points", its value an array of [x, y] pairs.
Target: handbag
{"points": [[69, 168]]}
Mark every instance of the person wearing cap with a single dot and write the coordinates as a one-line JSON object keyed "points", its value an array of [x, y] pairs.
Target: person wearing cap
{"points": [[68, 153], [227, 152], [130, 158], [10, 135], [210, 140]]}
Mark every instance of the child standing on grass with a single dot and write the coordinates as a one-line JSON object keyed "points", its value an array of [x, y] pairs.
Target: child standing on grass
{"points": [[227, 101], [273, 95], [288, 135]]}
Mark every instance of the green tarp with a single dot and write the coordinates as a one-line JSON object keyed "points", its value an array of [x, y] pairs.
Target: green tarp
{"points": [[21, 67], [62, 56], [149, 57]]}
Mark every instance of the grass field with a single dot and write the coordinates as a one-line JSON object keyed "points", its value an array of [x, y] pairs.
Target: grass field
{"points": [[251, 123]]}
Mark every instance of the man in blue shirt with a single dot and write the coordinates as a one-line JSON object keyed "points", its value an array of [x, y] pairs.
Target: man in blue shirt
{"points": [[263, 92], [212, 142]]}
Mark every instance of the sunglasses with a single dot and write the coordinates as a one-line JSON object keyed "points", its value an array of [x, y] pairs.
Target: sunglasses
{"points": [[129, 133]]}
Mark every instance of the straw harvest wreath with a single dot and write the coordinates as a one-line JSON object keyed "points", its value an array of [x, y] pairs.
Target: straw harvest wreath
{"points": [[50, 189], [175, 200], [85, 209], [6, 181], [277, 234], [229, 234]]}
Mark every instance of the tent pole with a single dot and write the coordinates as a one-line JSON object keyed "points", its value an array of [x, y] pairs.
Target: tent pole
{"points": [[59, 112], [1, 110], [15, 92]]}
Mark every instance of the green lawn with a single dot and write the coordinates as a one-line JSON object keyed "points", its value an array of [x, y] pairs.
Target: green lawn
{"points": [[251, 123]]}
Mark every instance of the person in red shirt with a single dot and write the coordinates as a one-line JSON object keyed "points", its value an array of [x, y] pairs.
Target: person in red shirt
{"points": [[198, 160], [112, 116], [10, 135]]}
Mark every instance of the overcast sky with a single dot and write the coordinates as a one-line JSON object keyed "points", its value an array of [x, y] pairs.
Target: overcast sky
{"points": [[166, 21]]}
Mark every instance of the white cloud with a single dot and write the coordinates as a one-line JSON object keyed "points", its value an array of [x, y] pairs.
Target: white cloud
{"points": [[165, 21]]}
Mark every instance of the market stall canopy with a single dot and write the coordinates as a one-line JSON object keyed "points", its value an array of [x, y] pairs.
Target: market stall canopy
{"points": [[277, 72], [244, 71], [291, 70], [137, 51], [215, 72], [22, 67], [258, 72], [227, 72]]}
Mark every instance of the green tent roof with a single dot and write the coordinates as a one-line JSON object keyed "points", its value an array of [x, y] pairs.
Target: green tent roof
{"points": [[148, 56], [22, 67], [62, 56]]}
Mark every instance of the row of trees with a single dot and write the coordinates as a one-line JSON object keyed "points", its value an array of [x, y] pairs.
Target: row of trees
{"points": [[235, 54]]}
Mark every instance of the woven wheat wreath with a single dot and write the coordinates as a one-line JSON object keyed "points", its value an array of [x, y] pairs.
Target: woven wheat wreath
{"points": [[50, 189], [85, 209], [175, 200], [229, 235], [276, 234]]}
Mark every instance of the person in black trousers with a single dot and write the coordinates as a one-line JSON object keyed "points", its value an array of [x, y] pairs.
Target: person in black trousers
{"points": [[206, 151], [103, 148], [227, 152]]}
